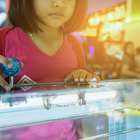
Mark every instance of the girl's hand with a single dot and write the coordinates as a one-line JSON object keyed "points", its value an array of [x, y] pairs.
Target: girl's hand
{"points": [[81, 75], [3, 83]]}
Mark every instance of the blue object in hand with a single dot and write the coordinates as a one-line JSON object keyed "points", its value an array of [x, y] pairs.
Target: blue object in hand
{"points": [[14, 70]]}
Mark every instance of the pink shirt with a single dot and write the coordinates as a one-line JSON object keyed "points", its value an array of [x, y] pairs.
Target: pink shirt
{"points": [[40, 67], [37, 65]]}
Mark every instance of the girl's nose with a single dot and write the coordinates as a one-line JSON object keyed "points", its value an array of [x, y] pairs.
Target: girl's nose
{"points": [[59, 3]]}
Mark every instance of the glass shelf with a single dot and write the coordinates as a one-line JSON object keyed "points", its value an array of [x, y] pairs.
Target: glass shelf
{"points": [[105, 110]]}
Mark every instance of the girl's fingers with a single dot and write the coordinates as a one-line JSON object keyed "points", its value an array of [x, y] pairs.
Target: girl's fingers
{"points": [[89, 77], [82, 76], [4, 84], [5, 61], [69, 77], [97, 79], [74, 76]]}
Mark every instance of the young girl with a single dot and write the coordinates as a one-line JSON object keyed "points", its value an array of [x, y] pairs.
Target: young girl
{"points": [[40, 39]]}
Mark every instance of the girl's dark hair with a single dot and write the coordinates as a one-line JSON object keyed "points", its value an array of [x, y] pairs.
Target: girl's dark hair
{"points": [[21, 14]]}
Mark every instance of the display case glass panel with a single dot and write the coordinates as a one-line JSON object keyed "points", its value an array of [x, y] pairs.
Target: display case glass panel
{"points": [[106, 111]]}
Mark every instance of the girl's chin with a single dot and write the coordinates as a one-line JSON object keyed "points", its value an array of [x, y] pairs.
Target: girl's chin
{"points": [[55, 27]]}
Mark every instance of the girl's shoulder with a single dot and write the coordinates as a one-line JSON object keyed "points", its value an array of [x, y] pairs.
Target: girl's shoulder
{"points": [[3, 32], [78, 49], [75, 43], [73, 39]]}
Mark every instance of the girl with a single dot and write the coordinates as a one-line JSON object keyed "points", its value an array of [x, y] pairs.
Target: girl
{"points": [[40, 39]]}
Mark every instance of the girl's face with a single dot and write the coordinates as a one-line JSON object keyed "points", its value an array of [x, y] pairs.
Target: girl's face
{"points": [[54, 13]]}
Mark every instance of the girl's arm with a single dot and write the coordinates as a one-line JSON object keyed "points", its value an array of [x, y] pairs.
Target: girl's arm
{"points": [[4, 60], [82, 73]]}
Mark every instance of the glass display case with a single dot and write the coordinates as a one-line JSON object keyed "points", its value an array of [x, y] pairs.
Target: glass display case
{"points": [[107, 111]]}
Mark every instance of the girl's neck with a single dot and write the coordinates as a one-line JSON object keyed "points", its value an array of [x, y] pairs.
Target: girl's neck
{"points": [[48, 33], [49, 41]]}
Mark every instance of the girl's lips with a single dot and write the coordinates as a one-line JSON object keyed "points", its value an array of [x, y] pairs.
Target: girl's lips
{"points": [[57, 15]]}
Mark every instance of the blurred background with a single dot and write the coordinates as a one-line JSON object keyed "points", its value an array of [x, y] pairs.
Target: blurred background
{"points": [[3, 15], [108, 24]]}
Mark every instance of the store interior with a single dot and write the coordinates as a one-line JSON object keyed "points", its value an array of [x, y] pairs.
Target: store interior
{"points": [[108, 26]]}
